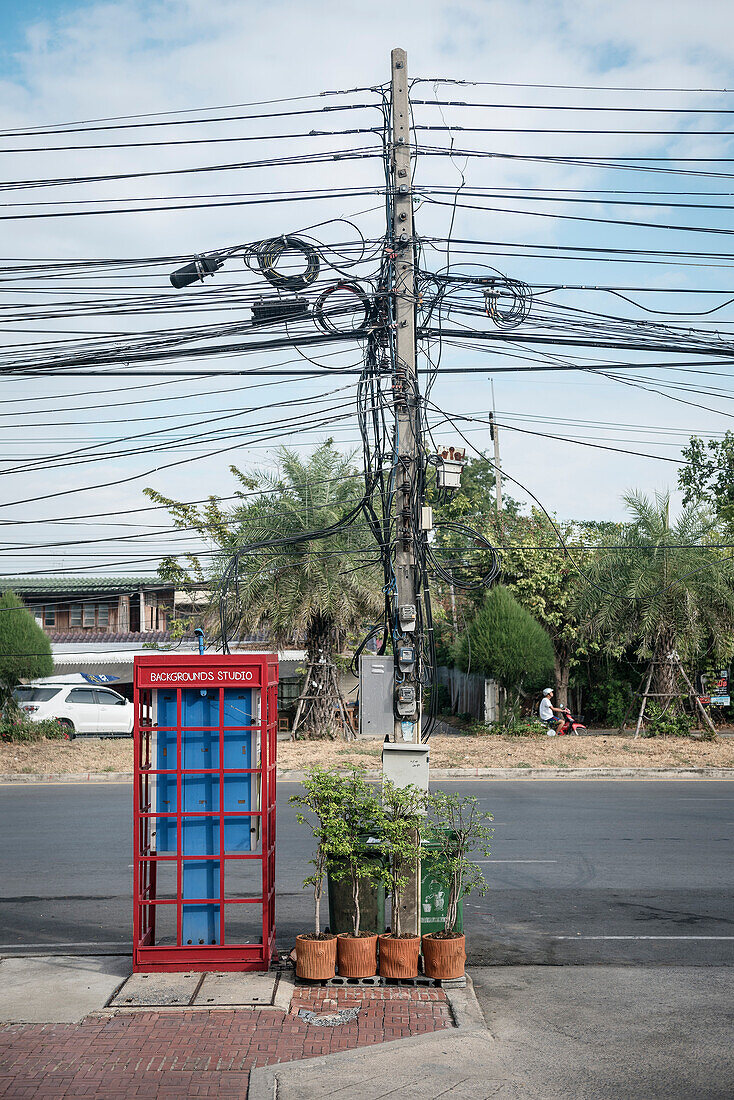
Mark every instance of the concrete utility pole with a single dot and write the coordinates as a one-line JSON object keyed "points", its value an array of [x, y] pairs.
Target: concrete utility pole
{"points": [[407, 648], [407, 726], [494, 435]]}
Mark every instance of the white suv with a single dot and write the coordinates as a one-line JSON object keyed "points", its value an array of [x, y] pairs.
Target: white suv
{"points": [[82, 709]]}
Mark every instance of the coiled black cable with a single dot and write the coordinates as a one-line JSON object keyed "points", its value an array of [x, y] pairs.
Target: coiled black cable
{"points": [[324, 319], [268, 253]]}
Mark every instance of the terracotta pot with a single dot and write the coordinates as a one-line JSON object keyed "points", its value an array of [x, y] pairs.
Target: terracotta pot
{"points": [[443, 958], [356, 955], [399, 958], [315, 959]]}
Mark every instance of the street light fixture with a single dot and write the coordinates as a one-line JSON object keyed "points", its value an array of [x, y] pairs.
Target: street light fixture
{"points": [[197, 270]]}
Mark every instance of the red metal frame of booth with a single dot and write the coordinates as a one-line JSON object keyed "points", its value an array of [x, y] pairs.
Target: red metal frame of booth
{"points": [[258, 671]]}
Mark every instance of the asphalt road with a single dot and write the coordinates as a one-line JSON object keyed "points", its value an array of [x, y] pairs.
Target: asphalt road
{"points": [[608, 1033], [581, 872]]}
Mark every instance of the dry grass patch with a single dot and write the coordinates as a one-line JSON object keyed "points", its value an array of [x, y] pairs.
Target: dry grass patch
{"points": [[92, 755], [65, 757], [509, 752]]}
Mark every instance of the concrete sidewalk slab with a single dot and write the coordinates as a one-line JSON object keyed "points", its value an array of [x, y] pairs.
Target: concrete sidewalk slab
{"points": [[454, 1064], [157, 990], [236, 989], [58, 988]]}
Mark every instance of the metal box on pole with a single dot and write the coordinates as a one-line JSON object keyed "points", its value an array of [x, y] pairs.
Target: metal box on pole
{"points": [[376, 689], [405, 764]]}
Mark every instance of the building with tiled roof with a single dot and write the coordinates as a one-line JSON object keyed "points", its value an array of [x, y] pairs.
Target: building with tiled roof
{"points": [[97, 609]]}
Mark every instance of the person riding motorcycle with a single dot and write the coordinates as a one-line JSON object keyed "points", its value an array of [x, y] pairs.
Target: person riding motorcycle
{"points": [[547, 712]]}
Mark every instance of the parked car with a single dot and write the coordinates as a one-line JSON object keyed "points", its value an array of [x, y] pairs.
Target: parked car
{"points": [[82, 709]]}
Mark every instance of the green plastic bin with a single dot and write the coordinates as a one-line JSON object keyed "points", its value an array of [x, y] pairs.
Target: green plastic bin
{"points": [[435, 895], [371, 896]]}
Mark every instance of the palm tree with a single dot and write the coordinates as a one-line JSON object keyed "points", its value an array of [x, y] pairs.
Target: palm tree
{"points": [[662, 590], [319, 590], [315, 590]]}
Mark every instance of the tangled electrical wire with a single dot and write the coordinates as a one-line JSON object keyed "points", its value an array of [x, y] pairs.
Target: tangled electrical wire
{"points": [[520, 299], [507, 302], [459, 569], [341, 309], [267, 254]]}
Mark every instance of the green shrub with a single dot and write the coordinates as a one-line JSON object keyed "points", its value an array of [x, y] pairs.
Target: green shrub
{"points": [[49, 730], [25, 651], [442, 696], [525, 727], [659, 723], [504, 641]]}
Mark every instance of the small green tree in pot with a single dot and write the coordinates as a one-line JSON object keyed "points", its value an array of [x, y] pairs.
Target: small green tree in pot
{"points": [[358, 817], [456, 830], [319, 811], [401, 823]]}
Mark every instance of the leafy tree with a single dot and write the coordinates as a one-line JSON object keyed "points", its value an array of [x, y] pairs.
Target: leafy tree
{"points": [[318, 809], [316, 589], [708, 476], [401, 823], [506, 643], [25, 651], [663, 591], [356, 813], [459, 828], [473, 505], [540, 575]]}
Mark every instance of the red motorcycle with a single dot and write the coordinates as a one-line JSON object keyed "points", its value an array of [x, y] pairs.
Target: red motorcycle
{"points": [[570, 725]]}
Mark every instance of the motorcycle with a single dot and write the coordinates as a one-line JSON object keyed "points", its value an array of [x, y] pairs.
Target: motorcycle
{"points": [[570, 725]]}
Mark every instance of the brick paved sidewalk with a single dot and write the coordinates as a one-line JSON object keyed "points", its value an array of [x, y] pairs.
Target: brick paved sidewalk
{"points": [[182, 1054]]}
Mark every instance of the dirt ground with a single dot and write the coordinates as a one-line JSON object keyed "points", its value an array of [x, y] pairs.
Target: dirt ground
{"points": [[80, 755], [90, 755], [525, 752]]}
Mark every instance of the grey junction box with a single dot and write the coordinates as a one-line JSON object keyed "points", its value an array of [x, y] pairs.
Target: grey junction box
{"points": [[376, 687], [405, 765]]}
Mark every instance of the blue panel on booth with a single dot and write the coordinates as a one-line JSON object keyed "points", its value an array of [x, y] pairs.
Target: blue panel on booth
{"points": [[166, 800], [237, 754], [200, 801], [200, 749]]}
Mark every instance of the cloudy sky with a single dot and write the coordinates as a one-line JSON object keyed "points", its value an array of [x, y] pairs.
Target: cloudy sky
{"points": [[63, 62]]}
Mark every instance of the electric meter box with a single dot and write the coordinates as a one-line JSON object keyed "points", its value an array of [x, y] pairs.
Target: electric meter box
{"points": [[405, 765]]}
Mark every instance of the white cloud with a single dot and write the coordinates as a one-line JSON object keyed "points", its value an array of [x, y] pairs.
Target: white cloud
{"points": [[117, 58]]}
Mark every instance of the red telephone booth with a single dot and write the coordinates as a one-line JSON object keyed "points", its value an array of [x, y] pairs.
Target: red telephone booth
{"points": [[204, 811]]}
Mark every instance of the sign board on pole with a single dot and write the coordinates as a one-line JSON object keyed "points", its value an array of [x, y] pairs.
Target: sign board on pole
{"points": [[714, 688]]}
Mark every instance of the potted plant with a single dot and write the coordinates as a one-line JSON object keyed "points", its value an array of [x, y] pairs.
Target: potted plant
{"points": [[319, 803], [457, 828], [357, 817], [402, 812]]}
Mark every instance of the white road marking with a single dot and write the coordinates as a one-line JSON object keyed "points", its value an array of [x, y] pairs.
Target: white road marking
{"points": [[515, 861], [580, 937]]}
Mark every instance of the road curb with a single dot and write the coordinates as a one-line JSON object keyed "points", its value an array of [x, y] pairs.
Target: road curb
{"points": [[66, 777], [297, 775], [553, 773]]}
